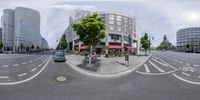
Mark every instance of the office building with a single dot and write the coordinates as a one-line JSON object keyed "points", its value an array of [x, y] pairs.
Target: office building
{"points": [[120, 31], [0, 34], [188, 39], [21, 29]]}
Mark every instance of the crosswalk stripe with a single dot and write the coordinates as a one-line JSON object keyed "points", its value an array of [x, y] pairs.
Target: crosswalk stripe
{"points": [[159, 62], [146, 68], [161, 70]]}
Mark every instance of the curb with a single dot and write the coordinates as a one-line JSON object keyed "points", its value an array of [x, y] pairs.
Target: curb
{"points": [[94, 74]]}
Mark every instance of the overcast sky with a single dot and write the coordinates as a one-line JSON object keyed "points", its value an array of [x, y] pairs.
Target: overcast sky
{"points": [[156, 17]]}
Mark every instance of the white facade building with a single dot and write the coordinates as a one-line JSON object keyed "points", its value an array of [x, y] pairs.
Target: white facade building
{"points": [[120, 31], [21, 29]]}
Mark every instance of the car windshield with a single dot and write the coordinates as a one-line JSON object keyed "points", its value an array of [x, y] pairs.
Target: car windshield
{"points": [[99, 49]]}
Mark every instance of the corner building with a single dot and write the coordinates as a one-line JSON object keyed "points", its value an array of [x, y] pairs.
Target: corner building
{"points": [[188, 36], [21, 29], [120, 32]]}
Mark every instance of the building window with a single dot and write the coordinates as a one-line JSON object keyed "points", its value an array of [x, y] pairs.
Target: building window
{"points": [[111, 27], [119, 18], [119, 23], [111, 17], [119, 29], [111, 22]]}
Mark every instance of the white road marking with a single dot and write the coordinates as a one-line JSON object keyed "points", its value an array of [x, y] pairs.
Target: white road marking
{"points": [[196, 65], [33, 69], [4, 76], [180, 62], [24, 63], [22, 74], [39, 65], [5, 65], [175, 60], [156, 73], [198, 76], [159, 62], [185, 74], [187, 63], [15, 65], [35, 59], [188, 81], [166, 63], [146, 68], [28, 79], [30, 61], [161, 70]]}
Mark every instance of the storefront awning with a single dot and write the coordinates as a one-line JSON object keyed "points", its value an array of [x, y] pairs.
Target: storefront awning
{"points": [[82, 47], [115, 47], [129, 47]]}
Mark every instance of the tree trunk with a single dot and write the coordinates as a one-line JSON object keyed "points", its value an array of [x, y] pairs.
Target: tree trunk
{"points": [[145, 52], [90, 55]]}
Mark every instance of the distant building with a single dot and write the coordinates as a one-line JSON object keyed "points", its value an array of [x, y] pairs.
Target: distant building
{"points": [[165, 41], [188, 39], [120, 31], [45, 44], [21, 29], [0, 34]]}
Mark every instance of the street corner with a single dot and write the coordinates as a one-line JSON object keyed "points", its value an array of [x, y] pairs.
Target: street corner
{"points": [[106, 67]]}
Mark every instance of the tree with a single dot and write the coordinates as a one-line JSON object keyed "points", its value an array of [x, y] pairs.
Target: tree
{"points": [[1, 45], [145, 42], [63, 43], [90, 31]]}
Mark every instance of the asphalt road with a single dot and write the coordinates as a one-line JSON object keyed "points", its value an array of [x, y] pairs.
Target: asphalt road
{"points": [[162, 77]]}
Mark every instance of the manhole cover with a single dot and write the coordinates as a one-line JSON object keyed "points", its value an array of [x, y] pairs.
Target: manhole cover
{"points": [[62, 78]]}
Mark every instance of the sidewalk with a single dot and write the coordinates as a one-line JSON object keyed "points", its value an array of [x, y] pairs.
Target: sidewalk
{"points": [[106, 65]]}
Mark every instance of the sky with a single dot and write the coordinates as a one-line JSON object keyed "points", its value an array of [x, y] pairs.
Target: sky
{"points": [[155, 17]]}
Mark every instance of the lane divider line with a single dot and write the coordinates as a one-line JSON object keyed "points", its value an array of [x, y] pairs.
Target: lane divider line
{"points": [[187, 74], [187, 81], [33, 69], [187, 63], [4, 76], [196, 65], [146, 68], [180, 62], [155, 66], [156, 73], [5, 65], [159, 62], [28, 79], [15, 65], [24, 63], [39, 65], [20, 75]]}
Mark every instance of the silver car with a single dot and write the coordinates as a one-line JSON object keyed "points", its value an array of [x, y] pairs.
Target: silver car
{"points": [[59, 56]]}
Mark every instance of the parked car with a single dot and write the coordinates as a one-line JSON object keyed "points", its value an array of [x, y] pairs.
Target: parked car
{"points": [[59, 56]]}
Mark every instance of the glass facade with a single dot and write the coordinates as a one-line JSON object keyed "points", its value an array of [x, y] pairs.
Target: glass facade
{"points": [[188, 39]]}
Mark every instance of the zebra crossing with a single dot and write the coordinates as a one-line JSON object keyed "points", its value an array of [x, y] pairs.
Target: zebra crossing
{"points": [[156, 66]]}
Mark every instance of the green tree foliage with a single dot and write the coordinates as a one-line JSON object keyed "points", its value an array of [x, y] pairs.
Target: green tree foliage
{"points": [[90, 31], [146, 43], [63, 43]]}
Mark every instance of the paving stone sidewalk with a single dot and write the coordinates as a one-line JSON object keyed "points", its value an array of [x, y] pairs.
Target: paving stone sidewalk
{"points": [[106, 65]]}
